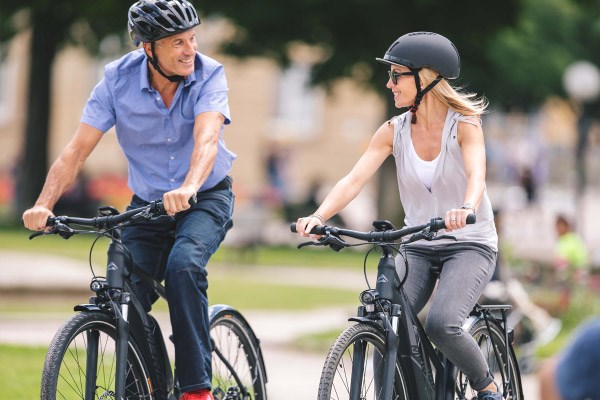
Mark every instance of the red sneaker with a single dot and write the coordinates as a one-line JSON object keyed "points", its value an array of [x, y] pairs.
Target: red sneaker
{"points": [[202, 394]]}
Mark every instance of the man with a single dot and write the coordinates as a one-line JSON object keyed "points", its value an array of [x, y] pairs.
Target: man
{"points": [[168, 104]]}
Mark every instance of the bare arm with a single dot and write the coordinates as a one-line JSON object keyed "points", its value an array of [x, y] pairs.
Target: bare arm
{"points": [[350, 186], [62, 175], [470, 139], [207, 128]]}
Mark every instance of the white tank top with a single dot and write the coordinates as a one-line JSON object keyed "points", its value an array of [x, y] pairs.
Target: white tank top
{"points": [[424, 169]]}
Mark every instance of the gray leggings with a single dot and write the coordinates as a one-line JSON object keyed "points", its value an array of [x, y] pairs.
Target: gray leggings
{"points": [[465, 270]]}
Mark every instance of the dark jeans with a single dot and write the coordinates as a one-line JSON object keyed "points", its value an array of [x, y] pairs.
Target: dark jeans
{"points": [[178, 253]]}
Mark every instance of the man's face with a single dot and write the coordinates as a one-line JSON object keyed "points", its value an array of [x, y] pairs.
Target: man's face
{"points": [[176, 53]]}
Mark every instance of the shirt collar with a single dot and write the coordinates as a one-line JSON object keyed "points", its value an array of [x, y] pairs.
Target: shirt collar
{"points": [[145, 81]]}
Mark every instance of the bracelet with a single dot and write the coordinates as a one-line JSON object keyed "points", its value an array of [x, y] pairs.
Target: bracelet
{"points": [[468, 206], [317, 216]]}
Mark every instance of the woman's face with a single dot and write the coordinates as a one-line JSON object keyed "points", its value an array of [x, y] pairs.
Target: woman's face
{"points": [[176, 53], [404, 89]]}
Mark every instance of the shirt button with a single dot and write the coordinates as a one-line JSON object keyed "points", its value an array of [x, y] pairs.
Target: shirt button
{"points": [[172, 180], [172, 157], [158, 99], [168, 139]]}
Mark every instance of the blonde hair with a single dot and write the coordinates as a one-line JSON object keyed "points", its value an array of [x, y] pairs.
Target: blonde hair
{"points": [[463, 102]]}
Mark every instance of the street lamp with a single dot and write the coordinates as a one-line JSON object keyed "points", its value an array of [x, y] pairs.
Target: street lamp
{"points": [[581, 81]]}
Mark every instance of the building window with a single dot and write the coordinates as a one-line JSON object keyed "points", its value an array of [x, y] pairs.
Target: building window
{"points": [[298, 109]]}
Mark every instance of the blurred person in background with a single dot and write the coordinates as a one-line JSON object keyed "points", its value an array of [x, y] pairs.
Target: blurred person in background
{"points": [[525, 315], [574, 374], [439, 150], [168, 104], [571, 260]]}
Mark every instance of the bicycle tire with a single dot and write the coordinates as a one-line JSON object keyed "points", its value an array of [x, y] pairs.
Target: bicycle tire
{"points": [[493, 346], [233, 338], [337, 371], [65, 373]]}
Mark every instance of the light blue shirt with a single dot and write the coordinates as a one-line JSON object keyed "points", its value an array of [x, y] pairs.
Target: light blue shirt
{"points": [[158, 141]]}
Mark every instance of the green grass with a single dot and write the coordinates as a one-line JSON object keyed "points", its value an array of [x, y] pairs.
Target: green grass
{"points": [[21, 371], [245, 296]]}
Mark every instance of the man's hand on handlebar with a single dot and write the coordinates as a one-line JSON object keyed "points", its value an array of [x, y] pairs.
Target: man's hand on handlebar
{"points": [[179, 199], [35, 218]]}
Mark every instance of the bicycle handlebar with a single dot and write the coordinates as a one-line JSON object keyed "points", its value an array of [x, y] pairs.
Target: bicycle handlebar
{"points": [[382, 236], [152, 210]]}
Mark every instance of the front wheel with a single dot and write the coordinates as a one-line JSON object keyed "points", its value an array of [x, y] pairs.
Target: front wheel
{"points": [[358, 352], [238, 371], [505, 370], [81, 362]]}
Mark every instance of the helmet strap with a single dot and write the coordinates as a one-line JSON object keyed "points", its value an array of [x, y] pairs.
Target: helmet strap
{"points": [[154, 61], [420, 93]]}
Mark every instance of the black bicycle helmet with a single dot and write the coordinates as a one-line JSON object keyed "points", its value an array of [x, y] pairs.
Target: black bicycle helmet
{"points": [[424, 49], [418, 50], [151, 20]]}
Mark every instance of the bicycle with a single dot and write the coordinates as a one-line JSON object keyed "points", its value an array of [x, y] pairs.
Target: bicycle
{"points": [[387, 354], [113, 349]]}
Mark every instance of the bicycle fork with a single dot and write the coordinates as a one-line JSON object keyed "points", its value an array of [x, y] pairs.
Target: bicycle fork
{"points": [[118, 257], [384, 384]]}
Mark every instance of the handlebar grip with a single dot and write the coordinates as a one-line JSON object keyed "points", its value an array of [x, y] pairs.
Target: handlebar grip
{"points": [[316, 230], [471, 219], [441, 224]]}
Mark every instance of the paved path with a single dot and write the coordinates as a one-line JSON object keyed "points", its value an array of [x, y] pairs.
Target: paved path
{"points": [[293, 375]]}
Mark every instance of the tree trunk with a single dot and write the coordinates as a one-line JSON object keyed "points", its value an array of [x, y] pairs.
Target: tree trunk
{"points": [[31, 175]]}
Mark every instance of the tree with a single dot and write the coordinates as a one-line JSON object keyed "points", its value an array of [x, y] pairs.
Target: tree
{"points": [[354, 32], [53, 24], [530, 58]]}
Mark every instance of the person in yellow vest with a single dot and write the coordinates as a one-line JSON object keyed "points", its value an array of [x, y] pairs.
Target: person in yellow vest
{"points": [[571, 259]]}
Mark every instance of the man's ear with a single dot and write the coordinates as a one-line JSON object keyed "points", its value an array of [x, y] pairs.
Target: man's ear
{"points": [[147, 49]]}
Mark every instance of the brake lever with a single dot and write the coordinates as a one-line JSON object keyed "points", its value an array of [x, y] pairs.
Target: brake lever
{"points": [[311, 243], [36, 234], [444, 237]]}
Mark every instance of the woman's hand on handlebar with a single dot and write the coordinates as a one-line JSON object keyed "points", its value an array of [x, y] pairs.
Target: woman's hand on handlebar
{"points": [[305, 224], [36, 218], [456, 218]]}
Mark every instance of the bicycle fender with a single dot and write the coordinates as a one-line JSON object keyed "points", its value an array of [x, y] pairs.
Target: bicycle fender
{"points": [[367, 321], [217, 310], [88, 308], [470, 322]]}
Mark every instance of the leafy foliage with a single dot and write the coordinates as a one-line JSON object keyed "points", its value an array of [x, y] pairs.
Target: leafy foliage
{"points": [[354, 32], [529, 59]]}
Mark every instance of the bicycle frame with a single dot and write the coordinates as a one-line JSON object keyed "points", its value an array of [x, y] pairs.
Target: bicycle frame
{"points": [[114, 297], [429, 375]]}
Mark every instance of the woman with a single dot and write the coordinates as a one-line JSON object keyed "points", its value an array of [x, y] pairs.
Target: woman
{"points": [[439, 150]]}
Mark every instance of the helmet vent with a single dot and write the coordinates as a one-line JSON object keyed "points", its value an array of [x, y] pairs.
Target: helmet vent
{"points": [[180, 12], [162, 21], [162, 6]]}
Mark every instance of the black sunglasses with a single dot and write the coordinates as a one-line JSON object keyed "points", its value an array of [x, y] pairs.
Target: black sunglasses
{"points": [[395, 74]]}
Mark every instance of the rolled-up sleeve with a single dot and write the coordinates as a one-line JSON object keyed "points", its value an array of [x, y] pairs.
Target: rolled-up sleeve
{"points": [[99, 110], [213, 96]]}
